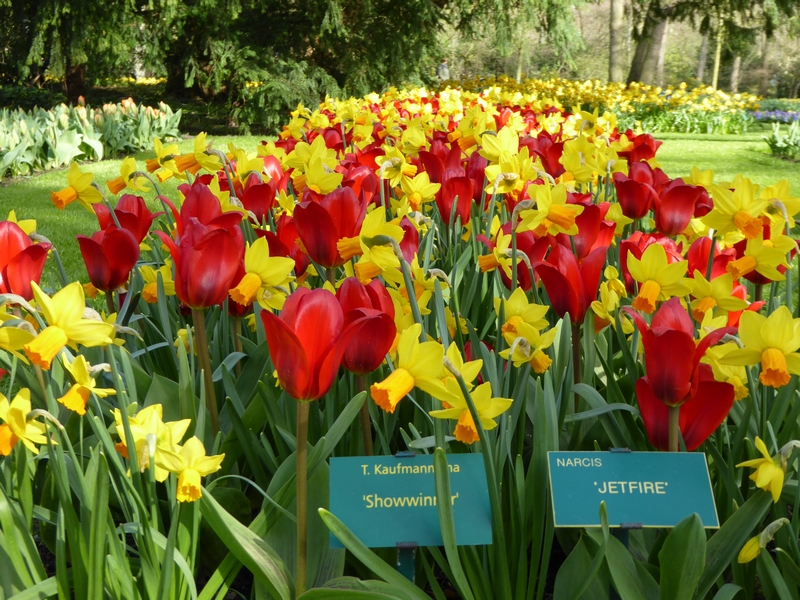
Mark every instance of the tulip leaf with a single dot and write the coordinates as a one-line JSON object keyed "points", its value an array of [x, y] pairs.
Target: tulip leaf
{"points": [[600, 410], [580, 575], [728, 592], [682, 558], [229, 362], [610, 424], [325, 594], [725, 544], [248, 548], [630, 582], [371, 560]]}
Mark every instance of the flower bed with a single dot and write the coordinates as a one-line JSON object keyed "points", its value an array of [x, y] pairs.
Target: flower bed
{"points": [[42, 139], [446, 273]]}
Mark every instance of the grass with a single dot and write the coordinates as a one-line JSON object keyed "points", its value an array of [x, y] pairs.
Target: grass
{"points": [[30, 197]]}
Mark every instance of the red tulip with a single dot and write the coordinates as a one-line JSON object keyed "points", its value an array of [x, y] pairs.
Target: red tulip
{"points": [[675, 377], [635, 198], [409, 245], [321, 226], [644, 147], [571, 287], [676, 205], [307, 342], [109, 256], [21, 261], [132, 214], [455, 189], [353, 294], [258, 197]]}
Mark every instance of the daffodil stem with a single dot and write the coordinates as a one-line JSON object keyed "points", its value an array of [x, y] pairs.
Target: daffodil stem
{"points": [[301, 484], [51, 406], [674, 428], [366, 423], [501, 560], [199, 317], [237, 343]]}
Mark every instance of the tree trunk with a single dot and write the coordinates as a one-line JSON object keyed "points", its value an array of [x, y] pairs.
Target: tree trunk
{"points": [[519, 63], [718, 54], [643, 65], [763, 85], [701, 65], [75, 83], [737, 66], [657, 42], [616, 40], [662, 54]]}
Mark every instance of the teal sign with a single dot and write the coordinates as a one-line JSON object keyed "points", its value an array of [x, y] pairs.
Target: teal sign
{"points": [[651, 489], [386, 500]]}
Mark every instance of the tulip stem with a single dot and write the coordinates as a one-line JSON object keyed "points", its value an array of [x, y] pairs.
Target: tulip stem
{"points": [[674, 428], [330, 275], [759, 294], [199, 317], [366, 423], [576, 360], [110, 302], [301, 484]]}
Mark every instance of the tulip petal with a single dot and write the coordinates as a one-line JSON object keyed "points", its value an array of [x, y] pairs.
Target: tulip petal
{"points": [[25, 267], [706, 411], [287, 355], [669, 365], [655, 415], [97, 264]]}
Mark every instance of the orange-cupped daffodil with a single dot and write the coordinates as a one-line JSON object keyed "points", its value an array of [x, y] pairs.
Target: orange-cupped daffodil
{"points": [[16, 426], [190, 464], [127, 179], [80, 188], [773, 341], [265, 277], [710, 295], [517, 309], [66, 325], [529, 344], [419, 364], [658, 279], [487, 408], [78, 395], [552, 215]]}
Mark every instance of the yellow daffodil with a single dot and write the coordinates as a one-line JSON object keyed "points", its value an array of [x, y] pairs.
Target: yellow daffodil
{"points": [[16, 427], [418, 365], [779, 201], [164, 154], [764, 257], [266, 277], [517, 309], [739, 209], [27, 225], [150, 277], [552, 214], [198, 159], [469, 370], [375, 258], [735, 375], [66, 325], [79, 187], [78, 395], [393, 165], [487, 408], [501, 147], [769, 472], [190, 464], [753, 546], [717, 293], [500, 255], [658, 280], [304, 154], [529, 345], [418, 190], [151, 435], [772, 341], [126, 179]]}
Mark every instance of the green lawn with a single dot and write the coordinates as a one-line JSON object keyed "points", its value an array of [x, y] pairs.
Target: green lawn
{"points": [[30, 197]]}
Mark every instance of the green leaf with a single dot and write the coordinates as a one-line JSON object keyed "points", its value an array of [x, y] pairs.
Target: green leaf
{"points": [[447, 522], [577, 577], [682, 558], [728, 592], [629, 582], [369, 559], [99, 520], [325, 594], [724, 546], [767, 569], [248, 548]]}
